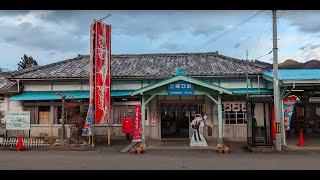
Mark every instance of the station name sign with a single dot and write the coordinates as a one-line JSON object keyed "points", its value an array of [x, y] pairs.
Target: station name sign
{"points": [[180, 88]]}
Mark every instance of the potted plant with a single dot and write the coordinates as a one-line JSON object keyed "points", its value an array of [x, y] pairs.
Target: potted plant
{"points": [[139, 150], [133, 150], [226, 149], [219, 148]]}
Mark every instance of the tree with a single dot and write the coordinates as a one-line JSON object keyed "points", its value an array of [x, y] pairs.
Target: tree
{"points": [[76, 114], [26, 61]]}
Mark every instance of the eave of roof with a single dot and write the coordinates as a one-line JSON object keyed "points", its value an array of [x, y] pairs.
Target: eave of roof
{"points": [[183, 78]]}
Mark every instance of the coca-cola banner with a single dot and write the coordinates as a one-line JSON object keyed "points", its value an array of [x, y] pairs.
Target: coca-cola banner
{"points": [[88, 126], [102, 72]]}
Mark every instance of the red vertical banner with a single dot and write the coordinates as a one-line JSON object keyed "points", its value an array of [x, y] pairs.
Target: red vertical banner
{"points": [[137, 125], [102, 72]]}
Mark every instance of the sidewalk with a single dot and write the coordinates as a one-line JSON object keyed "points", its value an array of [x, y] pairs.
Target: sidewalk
{"points": [[311, 142], [185, 145]]}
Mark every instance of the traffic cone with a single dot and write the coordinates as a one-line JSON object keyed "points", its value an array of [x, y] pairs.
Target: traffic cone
{"points": [[301, 139], [20, 145]]}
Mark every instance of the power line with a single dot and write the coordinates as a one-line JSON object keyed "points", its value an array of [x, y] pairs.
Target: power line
{"points": [[260, 36], [104, 17], [263, 55], [226, 32], [281, 13]]}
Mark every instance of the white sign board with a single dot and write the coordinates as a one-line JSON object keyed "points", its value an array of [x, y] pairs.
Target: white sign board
{"points": [[18, 120]]}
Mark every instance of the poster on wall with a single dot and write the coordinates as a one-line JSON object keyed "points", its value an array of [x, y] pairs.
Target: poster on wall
{"points": [[235, 107], [227, 106], [243, 107], [18, 120], [136, 137], [102, 58], [288, 105], [153, 120]]}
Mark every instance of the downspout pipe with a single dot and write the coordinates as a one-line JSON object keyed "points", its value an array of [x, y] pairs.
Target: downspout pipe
{"points": [[18, 83], [259, 91]]}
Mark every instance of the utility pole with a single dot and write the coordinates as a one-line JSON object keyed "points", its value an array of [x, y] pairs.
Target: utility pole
{"points": [[247, 81], [63, 114], [276, 82]]}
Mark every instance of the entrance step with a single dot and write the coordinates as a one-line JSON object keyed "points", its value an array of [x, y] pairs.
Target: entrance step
{"points": [[259, 149], [126, 149]]}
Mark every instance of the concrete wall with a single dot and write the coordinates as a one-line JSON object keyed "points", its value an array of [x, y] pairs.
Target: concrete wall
{"points": [[241, 83], [235, 132], [37, 86], [55, 86], [125, 85], [130, 85], [15, 106], [66, 86]]}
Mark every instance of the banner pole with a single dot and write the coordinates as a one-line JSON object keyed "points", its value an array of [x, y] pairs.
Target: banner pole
{"points": [[92, 143], [109, 131]]}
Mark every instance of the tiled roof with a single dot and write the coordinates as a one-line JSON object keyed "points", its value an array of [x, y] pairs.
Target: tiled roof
{"points": [[18, 72], [149, 66], [6, 85]]}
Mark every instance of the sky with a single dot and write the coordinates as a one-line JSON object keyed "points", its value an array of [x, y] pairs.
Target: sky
{"points": [[51, 36]]}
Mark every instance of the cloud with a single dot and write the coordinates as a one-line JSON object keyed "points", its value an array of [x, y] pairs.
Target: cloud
{"points": [[206, 30], [304, 47], [315, 46], [236, 45], [172, 46], [55, 35], [305, 21]]}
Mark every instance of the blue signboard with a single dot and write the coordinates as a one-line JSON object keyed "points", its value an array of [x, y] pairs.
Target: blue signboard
{"points": [[180, 88]]}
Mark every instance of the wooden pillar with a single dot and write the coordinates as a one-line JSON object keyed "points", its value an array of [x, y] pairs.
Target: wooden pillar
{"points": [[143, 107], [219, 119]]}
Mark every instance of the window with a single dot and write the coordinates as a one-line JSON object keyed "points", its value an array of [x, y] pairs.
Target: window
{"points": [[57, 114], [44, 114], [121, 111], [234, 112]]}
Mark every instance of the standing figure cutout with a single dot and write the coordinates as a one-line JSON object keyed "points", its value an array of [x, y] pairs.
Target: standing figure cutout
{"points": [[197, 139]]}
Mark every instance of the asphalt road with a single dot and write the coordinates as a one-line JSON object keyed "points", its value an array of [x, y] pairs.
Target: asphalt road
{"points": [[156, 159]]}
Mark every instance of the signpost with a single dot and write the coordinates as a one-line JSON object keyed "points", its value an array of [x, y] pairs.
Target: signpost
{"points": [[18, 120]]}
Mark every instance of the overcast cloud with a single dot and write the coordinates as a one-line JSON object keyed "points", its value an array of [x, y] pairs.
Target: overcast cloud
{"points": [[51, 36]]}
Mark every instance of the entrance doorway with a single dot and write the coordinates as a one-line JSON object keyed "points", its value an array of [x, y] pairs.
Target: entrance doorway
{"points": [[175, 120], [175, 124]]}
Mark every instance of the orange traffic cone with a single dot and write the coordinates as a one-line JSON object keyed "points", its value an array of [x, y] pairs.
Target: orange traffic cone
{"points": [[20, 145], [301, 139]]}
